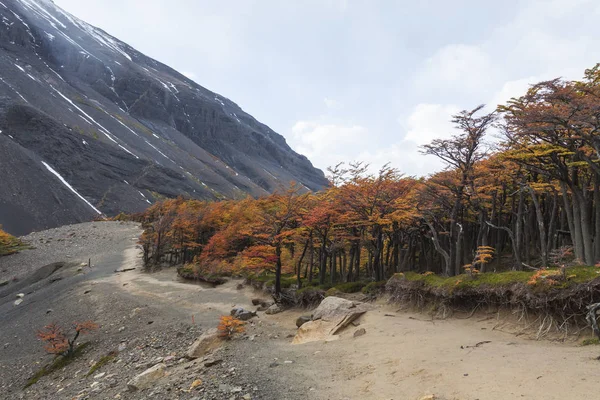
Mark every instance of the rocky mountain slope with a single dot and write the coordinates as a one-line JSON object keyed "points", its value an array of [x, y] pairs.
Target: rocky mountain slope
{"points": [[89, 125]]}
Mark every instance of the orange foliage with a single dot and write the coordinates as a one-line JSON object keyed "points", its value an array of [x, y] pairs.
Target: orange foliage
{"points": [[230, 326], [57, 341]]}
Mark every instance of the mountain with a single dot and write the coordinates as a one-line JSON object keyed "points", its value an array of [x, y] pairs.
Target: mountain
{"points": [[89, 125]]}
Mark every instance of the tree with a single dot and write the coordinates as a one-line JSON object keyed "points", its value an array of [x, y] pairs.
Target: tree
{"points": [[58, 342], [460, 153]]}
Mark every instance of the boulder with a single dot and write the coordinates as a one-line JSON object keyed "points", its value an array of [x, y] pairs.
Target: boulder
{"points": [[206, 343], [302, 320], [147, 378], [332, 315], [273, 309], [242, 314], [264, 306]]}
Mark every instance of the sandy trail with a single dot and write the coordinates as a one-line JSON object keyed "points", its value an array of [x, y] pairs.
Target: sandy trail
{"points": [[403, 356], [407, 357]]}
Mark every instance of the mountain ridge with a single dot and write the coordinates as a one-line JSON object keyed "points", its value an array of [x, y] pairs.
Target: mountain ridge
{"points": [[122, 129]]}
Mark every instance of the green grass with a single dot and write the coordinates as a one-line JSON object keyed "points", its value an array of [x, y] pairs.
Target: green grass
{"points": [[590, 342], [374, 287], [101, 362], [58, 363], [576, 275]]}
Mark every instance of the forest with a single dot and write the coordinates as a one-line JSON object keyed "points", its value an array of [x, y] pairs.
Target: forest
{"points": [[520, 191]]}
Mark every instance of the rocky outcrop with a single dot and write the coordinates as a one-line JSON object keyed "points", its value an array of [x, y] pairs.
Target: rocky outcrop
{"points": [[206, 343], [332, 315], [147, 378], [89, 125]]}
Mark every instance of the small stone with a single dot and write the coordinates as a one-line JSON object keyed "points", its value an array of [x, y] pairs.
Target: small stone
{"points": [[428, 397], [247, 397], [48, 311], [360, 332], [121, 329], [20, 295], [195, 384], [288, 362], [100, 375], [18, 301], [256, 302], [122, 347]]}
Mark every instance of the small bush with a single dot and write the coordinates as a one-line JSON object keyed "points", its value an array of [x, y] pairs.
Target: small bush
{"points": [[9, 244], [230, 326], [58, 342]]}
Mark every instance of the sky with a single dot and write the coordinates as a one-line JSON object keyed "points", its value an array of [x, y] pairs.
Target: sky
{"points": [[365, 80]]}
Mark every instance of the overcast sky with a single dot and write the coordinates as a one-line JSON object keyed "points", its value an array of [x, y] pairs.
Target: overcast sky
{"points": [[364, 80]]}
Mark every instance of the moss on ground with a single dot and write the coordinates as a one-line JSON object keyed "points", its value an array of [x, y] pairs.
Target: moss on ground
{"points": [[101, 362], [575, 275], [58, 363]]}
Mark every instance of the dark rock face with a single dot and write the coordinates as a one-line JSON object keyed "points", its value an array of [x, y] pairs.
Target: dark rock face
{"points": [[88, 125]]}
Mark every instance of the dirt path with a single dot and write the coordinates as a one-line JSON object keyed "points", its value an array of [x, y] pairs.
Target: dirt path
{"points": [[401, 356]]}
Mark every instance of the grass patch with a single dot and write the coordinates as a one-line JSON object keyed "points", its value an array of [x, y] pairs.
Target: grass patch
{"points": [[101, 362], [58, 363], [590, 342], [374, 288], [575, 275]]}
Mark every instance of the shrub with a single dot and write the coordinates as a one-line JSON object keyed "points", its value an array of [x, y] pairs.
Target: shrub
{"points": [[9, 244], [58, 342], [229, 326]]}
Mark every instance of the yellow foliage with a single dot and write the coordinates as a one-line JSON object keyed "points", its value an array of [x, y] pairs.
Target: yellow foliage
{"points": [[229, 326]]}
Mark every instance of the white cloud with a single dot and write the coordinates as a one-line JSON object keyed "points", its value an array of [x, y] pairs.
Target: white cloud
{"points": [[327, 144], [428, 122], [456, 66]]}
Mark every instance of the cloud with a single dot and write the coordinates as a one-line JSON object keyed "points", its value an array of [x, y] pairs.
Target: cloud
{"points": [[327, 144], [428, 122], [456, 66]]}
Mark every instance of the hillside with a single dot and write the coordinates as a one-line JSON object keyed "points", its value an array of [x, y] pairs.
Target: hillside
{"points": [[89, 125]]}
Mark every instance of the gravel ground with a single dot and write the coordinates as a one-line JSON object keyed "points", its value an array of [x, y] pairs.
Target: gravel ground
{"points": [[80, 242], [144, 318]]}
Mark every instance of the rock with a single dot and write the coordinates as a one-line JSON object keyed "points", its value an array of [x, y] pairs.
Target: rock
{"points": [[121, 329], [122, 347], [48, 311], [169, 359], [195, 384], [100, 375], [255, 302], [240, 286], [147, 378], [274, 309], [332, 315], [242, 314], [247, 397], [212, 361], [360, 332], [20, 295], [302, 320], [428, 397], [18, 301], [206, 343], [4, 283]]}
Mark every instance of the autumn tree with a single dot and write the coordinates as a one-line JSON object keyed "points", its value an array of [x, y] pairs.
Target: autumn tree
{"points": [[460, 153], [57, 341]]}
